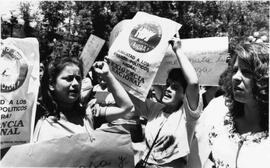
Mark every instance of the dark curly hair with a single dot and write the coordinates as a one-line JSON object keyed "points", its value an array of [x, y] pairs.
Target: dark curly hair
{"points": [[47, 103], [256, 55]]}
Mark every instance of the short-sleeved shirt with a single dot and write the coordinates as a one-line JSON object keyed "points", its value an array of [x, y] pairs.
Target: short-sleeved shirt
{"points": [[180, 124]]}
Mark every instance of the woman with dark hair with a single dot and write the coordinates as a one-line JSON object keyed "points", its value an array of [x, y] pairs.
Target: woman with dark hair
{"points": [[170, 124], [60, 112], [239, 137]]}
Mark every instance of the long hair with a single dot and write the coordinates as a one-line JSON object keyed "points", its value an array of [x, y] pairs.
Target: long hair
{"points": [[48, 104], [257, 57]]}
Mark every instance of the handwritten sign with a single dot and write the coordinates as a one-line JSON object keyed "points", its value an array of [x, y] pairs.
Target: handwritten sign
{"points": [[138, 50], [19, 69], [90, 52], [207, 55], [102, 148]]}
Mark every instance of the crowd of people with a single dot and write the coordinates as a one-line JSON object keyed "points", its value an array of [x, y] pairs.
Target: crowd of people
{"points": [[177, 125]]}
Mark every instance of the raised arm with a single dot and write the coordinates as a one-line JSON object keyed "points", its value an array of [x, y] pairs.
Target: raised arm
{"points": [[123, 104], [192, 90]]}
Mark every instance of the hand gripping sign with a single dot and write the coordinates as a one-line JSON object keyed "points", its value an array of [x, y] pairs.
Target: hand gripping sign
{"points": [[138, 50], [19, 74]]}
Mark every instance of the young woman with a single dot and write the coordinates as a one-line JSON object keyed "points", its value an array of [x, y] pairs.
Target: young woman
{"points": [[60, 112], [239, 137], [170, 125]]}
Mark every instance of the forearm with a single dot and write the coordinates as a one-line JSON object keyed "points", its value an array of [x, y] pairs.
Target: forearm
{"points": [[122, 101], [192, 90], [187, 68]]}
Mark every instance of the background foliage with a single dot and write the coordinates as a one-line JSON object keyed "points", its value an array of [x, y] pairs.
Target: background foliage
{"points": [[66, 25]]}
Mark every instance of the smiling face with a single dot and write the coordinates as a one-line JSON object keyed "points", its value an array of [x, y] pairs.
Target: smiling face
{"points": [[173, 94], [68, 84], [242, 80]]}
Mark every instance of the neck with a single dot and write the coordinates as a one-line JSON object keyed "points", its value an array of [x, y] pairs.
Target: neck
{"points": [[66, 109], [252, 113], [172, 108]]}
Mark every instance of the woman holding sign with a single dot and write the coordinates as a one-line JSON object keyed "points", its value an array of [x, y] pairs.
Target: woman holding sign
{"points": [[170, 125], [240, 138], [60, 109]]}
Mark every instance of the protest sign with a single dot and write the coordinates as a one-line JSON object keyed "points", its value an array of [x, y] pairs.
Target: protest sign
{"points": [[90, 52], [19, 68], [138, 50], [101, 148], [207, 55]]}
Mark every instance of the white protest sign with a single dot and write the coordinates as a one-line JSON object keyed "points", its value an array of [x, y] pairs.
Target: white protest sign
{"points": [[101, 148], [138, 50], [19, 68], [207, 55], [90, 52]]}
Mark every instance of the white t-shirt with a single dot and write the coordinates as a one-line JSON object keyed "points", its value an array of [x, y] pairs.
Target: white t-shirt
{"points": [[180, 124]]}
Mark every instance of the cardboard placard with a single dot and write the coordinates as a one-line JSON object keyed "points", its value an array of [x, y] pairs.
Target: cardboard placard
{"points": [[90, 52], [207, 55], [101, 148]]}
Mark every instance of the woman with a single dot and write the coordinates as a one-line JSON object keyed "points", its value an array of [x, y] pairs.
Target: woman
{"points": [[170, 125], [60, 111], [240, 138]]}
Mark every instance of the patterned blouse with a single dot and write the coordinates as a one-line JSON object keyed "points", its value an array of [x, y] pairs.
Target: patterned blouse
{"points": [[229, 149]]}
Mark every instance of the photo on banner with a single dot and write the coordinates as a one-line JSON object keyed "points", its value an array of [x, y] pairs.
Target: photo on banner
{"points": [[136, 53], [19, 67]]}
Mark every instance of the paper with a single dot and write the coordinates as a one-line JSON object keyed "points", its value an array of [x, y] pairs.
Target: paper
{"points": [[101, 148], [90, 52], [207, 55], [138, 50], [19, 68]]}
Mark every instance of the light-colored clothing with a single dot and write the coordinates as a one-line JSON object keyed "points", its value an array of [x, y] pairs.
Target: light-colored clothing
{"points": [[179, 124], [230, 149], [214, 133], [50, 128], [211, 115]]}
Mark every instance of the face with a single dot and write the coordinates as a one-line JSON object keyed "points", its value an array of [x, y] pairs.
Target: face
{"points": [[68, 84], [174, 93], [242, 82]]}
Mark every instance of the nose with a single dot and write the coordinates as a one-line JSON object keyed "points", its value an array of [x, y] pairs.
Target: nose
{"points": [[75, 82], [236, 78]]}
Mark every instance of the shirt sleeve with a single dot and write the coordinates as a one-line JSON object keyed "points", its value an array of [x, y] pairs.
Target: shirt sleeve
{"points": [[193, 115]]}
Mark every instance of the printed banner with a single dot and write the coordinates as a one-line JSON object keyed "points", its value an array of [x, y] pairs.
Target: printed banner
{"points": [[138, 50], [101, 148], [207, 55], [19, 68], [90, 52]]}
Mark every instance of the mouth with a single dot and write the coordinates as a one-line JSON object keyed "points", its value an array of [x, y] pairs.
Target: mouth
{"points": [[167, 95], [74, 92], [236, 88]]}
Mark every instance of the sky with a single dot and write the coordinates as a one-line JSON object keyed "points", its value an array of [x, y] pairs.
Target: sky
{"points": [[7, 5]]}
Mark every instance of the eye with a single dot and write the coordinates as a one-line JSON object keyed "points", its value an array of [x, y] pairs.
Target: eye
{"points": [[78, 78], [246, 72], [69, 78]]}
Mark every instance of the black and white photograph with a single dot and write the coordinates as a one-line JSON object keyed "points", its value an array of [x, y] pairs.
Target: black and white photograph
{"points": [[134, 84]]}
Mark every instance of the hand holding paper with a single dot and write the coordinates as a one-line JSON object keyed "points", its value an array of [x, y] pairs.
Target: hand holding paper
{"points": [[176, 42], [101, 68]]}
